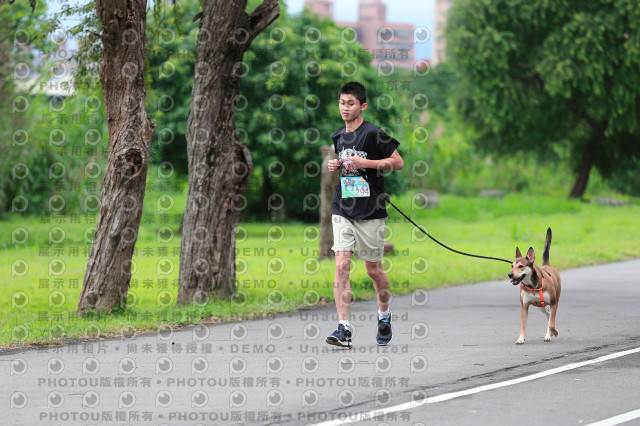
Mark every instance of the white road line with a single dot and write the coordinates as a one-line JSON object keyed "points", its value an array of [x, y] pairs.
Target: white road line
{"points": [[448, 396], [616, 420]]}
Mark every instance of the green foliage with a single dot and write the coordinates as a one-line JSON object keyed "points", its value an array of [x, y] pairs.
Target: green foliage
{"points": [[20, 27], [58, 156], [437, 85], [55, 149], [449, 162], [169, 71], [546, 76], [626, 181], [24, 51], [441, 154], [32, 4], [59, 146]]}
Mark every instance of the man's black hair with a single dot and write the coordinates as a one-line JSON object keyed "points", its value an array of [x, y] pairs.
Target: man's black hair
{"points": [[356, 89]]}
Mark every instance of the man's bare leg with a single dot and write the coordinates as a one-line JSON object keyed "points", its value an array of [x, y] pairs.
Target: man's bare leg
{"points": [[343, 296], [380, 283], [342, 284]]}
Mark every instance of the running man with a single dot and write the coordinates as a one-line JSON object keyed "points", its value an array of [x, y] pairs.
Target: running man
{"points": [[359, 213]]}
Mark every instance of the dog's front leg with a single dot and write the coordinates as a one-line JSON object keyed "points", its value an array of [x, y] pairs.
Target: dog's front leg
{"points": [[545, 310], [524, 313]]}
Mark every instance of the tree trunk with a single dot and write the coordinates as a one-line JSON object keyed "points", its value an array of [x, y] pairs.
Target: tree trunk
{"points": [[108, 271], [219, 165], [589, 152]]}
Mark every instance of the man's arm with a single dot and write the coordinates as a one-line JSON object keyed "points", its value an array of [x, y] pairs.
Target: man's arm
{"points": [[394, 162]]}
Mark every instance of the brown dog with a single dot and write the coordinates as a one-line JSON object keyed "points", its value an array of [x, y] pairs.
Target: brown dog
{"points": [[539, 286]]}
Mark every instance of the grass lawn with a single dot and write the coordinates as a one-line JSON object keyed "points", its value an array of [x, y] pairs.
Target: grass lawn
{"points": [[277, 266]]}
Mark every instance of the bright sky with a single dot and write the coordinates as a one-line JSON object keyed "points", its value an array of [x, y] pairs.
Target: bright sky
{"points": [[420, 13]]}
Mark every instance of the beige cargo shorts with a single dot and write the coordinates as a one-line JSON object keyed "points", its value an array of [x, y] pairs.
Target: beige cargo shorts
{"points": [[366, 235]]}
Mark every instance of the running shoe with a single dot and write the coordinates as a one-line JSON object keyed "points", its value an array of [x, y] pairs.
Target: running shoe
{"points": [[340, 337], [384, 331]]}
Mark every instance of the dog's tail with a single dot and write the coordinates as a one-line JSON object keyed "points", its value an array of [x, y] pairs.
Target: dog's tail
{"points": [[547, 244]]}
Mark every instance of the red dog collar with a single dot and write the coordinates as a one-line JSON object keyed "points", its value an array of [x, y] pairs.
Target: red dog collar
{"points": [[538, 290]]}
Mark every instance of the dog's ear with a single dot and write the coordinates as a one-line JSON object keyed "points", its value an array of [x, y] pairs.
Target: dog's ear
{"points": [[518, 254], [531, 255]]}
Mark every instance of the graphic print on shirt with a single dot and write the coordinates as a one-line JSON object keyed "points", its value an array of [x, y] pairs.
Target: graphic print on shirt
{"points": [[346, 168], [352, 182]]}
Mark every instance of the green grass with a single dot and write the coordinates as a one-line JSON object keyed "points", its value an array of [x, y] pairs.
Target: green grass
{"points": [[277, 266]]}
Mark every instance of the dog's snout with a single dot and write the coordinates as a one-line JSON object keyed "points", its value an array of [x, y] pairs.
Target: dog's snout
{"points": [[510, 274]]}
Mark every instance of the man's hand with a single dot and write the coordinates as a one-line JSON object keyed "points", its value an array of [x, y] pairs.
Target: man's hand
{"points": [[333, 165], [358, 162]]}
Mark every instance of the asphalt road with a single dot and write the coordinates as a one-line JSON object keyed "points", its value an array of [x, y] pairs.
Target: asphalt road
{"points": [[280, 371]]}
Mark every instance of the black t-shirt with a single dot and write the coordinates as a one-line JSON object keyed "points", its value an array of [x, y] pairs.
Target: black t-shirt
{"points": [[370, 142]]}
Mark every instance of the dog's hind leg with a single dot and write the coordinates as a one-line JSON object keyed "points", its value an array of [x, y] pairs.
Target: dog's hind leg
{"points": [[545, 311], [552, 321]]}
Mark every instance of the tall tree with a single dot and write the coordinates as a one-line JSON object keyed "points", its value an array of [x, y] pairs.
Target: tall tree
{"points": [[108, 271], [539, 76], [219, 164]]}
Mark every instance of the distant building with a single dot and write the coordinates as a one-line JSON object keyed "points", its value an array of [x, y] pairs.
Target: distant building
{"points": [[321, 7], [385, 40], [440, 42]]}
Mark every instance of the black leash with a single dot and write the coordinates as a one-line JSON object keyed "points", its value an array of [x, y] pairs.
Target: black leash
{"points": [[386, 198]]}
